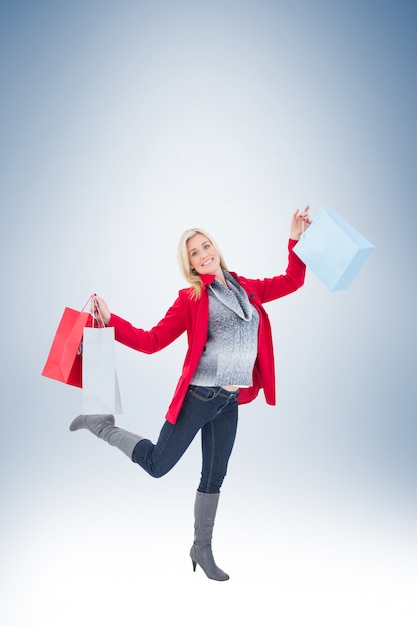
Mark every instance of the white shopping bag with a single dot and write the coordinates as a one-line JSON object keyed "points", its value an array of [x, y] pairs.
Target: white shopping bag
{"points": [[101, 395]]}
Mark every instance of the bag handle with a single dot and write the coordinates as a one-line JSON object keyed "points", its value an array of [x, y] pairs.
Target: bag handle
{"points": [[99, 320]]}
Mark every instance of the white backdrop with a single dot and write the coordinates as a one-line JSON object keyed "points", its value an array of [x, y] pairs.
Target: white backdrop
{"points": [[123, 124]]}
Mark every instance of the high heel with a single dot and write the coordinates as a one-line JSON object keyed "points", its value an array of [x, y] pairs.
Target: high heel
{"points": [[93, 423], [203, 556], [201, 553], [103, 427]]}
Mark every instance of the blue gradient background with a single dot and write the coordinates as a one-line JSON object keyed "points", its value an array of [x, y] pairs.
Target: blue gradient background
{"points": [[122, 124]]}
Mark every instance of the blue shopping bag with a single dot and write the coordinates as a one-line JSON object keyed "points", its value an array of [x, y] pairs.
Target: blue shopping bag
{"points": [[333, 250]]}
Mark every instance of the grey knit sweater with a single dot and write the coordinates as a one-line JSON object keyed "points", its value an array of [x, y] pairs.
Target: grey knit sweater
{"points": [[232, 338]]}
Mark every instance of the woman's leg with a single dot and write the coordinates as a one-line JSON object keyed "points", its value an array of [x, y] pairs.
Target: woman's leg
{"points": [[103, 427], [218, 437], [217, 441], [200, 406]]}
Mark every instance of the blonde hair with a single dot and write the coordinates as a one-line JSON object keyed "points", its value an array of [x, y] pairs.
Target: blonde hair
{"points": [[190, 274]]}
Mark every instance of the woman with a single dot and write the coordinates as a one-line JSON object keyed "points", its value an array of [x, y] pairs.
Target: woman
{"points": [[229, 359]]}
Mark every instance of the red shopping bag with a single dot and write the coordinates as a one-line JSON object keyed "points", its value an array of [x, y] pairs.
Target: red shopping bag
{"points": [[64, 362]]}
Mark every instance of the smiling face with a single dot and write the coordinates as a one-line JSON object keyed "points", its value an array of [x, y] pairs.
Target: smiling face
{"points": [[203, 256]]}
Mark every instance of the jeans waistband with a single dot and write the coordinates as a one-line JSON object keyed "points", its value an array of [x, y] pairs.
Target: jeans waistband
{"points": [[219, 389]]}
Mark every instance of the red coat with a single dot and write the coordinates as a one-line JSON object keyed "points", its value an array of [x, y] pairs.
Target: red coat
{"points": [[191, 315]]}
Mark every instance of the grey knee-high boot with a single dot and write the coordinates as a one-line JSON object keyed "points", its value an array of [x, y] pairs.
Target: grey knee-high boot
{"points": [[103, 427], [204, 514]]}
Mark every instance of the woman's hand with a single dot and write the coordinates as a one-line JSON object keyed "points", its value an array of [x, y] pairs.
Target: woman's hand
{"points": [[298, 219], [100, 310]]}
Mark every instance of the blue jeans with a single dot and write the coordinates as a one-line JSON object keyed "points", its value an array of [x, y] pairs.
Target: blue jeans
{"points": [[214, 411]]}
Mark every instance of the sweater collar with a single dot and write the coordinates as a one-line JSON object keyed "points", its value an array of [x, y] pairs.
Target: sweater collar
{"points": [[234, 296]]}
